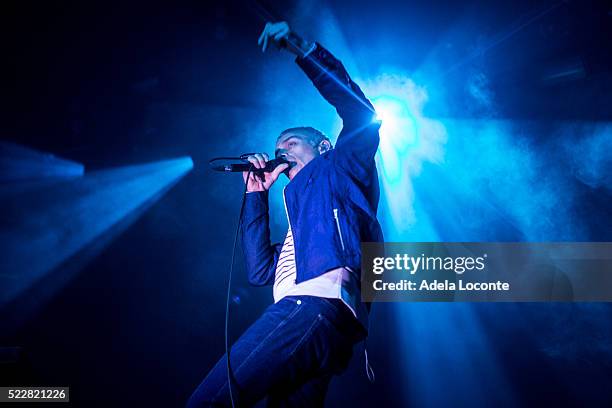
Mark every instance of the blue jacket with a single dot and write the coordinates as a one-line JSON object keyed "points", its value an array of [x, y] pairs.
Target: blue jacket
{"points": [[332, 202]]}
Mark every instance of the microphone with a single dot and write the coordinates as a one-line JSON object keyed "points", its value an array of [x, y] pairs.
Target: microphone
{"points": [[238, 167]]}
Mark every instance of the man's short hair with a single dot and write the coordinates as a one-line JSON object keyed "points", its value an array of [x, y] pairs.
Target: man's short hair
{"points": [[310, 134]]}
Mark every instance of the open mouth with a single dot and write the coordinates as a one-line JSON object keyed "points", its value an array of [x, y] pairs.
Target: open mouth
{"points": [[291, 160], [292, 164]]}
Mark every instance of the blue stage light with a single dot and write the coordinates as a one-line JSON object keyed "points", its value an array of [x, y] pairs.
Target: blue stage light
{"points": [[58, 220], [398, 123], [408, 139], [20, 163]]}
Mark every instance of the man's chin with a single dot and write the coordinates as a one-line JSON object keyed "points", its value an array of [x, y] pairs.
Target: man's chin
{"points": [[292, 171]]}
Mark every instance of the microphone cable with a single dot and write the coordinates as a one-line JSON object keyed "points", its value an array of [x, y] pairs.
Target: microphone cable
{"points": [[229, 288]]}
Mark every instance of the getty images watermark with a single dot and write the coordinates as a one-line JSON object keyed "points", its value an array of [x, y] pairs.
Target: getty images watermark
{"points": [[511, 272]]}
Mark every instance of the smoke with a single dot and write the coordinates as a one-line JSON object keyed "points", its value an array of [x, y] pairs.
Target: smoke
{"points": [[587, 148], [485, 178]]}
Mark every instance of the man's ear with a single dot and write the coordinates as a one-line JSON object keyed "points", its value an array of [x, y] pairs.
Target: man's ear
{"points": [[324, 146]]}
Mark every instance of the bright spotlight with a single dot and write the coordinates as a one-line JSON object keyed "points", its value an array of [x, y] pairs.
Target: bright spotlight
{"points": [[407, 140], [387, 109], [398, 126]]}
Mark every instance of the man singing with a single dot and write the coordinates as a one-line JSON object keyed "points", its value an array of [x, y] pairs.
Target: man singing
{"points": [[291, 352]]}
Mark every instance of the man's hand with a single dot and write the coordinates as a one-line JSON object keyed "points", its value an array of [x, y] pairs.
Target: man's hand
{"points": [[274, 32], [261, 182], [280, 34]]}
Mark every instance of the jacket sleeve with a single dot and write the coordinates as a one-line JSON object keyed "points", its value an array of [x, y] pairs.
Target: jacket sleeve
{"points": [[260, 256], [358, 140]]}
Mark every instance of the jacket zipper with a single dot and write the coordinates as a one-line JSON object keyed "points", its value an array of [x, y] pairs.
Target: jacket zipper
{"points": [[338, 226]]}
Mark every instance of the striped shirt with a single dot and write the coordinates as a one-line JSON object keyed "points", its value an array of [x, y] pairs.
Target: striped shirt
{"points": [[284, 279]]}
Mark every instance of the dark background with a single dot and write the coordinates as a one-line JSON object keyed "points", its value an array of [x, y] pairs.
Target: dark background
{"points": [[110, 84]]}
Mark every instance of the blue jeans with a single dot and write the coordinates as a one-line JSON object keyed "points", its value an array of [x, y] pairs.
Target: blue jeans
{"points": [[289, 355]]}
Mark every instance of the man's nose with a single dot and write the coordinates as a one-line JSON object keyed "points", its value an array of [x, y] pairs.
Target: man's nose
{"points": [[281, 153]]}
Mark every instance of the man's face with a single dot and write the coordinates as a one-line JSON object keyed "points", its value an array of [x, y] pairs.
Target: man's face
{"points": [[295, 148]]}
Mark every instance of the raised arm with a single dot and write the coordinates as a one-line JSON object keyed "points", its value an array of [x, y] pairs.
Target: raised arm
{"points": [[359, 137]]}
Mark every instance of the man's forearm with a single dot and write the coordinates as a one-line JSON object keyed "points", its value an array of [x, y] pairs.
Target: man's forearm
{"points": [[333, 82], [260, 255], [359, 138]]}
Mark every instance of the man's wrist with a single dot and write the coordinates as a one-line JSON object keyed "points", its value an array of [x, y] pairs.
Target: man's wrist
{"points": [[297, 45]]}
